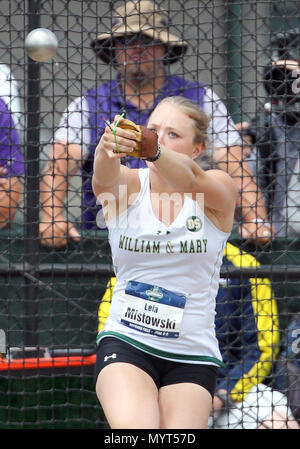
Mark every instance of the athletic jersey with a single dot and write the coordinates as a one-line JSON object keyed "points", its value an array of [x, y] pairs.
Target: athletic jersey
{"points": [[167, 280]]}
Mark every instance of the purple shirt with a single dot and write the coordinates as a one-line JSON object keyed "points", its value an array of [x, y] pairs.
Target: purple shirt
{"points": [[11, 156], [104, 103]]}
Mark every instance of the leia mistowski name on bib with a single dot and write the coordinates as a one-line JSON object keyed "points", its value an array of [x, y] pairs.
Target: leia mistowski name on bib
{"points": [[153, 310]]}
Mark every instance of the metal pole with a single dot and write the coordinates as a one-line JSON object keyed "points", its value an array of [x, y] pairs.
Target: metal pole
{"points": [[234, 59], [31, 247]]}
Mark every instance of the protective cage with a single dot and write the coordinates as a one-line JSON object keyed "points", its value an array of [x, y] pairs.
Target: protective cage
{"points": [[50, 297]]}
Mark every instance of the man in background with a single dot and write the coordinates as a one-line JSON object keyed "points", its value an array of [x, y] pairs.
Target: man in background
{"points": [[141, 49], [11, 166], [274, 135]]}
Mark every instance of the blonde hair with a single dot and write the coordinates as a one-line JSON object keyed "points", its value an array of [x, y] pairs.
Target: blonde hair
{"points": [[193, 111]]}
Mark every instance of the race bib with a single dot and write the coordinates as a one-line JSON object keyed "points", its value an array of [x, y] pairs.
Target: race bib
{"points": [[153, 310]]}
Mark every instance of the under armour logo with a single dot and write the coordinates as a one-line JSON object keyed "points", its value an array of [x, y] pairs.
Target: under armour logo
{"points": [[112, 356]]}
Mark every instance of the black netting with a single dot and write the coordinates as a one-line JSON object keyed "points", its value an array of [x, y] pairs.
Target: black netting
{"points": [[50, 295]]}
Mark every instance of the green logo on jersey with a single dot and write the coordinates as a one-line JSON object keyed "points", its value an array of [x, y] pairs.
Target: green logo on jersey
{"points": [[193, 224]]}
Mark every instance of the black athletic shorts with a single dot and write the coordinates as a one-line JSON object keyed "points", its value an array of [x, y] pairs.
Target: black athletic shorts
{"points": [[163, 372]]}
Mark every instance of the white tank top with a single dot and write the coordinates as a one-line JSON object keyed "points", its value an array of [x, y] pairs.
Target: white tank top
{"points": [[167, 279]]}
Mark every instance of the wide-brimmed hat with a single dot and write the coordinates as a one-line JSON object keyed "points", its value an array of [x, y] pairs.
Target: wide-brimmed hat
{"points": [[139, 17]]}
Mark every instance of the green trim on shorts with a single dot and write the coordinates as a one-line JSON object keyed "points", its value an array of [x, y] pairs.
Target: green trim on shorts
{"points": [[157, 352]]}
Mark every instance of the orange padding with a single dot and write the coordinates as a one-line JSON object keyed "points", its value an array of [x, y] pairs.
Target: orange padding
{"points": [[42, 362]]}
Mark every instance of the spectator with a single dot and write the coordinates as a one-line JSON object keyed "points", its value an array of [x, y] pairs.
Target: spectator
{"points": [[9, 91], [141, 48], [275, 135], [11, 167], [247, 329], [287, 369]]}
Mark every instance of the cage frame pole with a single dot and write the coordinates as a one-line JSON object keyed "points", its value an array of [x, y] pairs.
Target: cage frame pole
{"points": [[32, 185]]}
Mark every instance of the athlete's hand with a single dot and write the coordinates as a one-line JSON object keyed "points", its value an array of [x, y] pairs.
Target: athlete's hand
{"points": [[116, 141], [146, 140]]}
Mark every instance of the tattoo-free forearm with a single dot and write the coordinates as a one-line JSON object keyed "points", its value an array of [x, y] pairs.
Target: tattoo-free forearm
{"points": [[251, 200], [178, 169], [63, 163], [9, 200]]}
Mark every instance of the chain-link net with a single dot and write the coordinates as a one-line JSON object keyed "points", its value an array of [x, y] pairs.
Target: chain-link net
{"points": [[50, 295]]}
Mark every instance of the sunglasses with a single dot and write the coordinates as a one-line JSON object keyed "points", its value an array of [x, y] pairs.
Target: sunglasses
{"points": [[142, 40]]}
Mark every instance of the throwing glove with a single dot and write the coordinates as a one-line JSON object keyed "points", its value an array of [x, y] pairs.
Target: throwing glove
{"points": [[147, 141]]}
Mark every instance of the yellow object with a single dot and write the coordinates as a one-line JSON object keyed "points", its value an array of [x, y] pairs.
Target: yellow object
{"points": [[103, 311], [267, 323]]}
